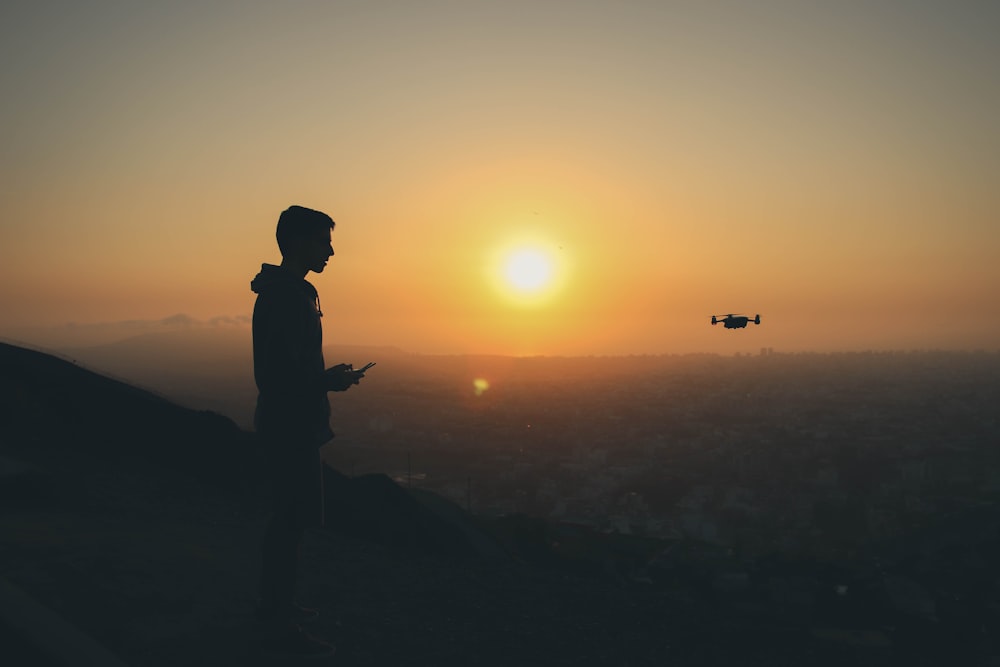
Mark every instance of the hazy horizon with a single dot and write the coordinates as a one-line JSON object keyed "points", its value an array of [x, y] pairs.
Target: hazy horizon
{"points": [[717, 340], [208, 367]]}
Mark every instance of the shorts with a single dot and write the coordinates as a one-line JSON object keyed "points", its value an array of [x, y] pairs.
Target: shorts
{"points": [[295, 472]]}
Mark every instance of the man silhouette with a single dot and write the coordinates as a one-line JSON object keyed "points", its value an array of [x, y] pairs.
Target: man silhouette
{"points": [[293, 415]]}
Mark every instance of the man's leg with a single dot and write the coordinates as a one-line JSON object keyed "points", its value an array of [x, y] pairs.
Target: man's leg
{"points": [[298, 502], [279, 564], [297, 505]]}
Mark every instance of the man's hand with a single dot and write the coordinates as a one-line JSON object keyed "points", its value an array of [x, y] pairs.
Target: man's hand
{"points": [[342, 377]]}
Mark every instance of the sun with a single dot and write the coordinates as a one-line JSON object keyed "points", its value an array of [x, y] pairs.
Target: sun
{"points": [[528, 270]]}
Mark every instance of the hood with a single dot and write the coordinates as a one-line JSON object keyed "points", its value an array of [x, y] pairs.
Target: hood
{"points": [[273, 277]]}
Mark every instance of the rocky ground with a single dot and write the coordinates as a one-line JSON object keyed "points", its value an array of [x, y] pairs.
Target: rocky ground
{"points": [[160, 569]]}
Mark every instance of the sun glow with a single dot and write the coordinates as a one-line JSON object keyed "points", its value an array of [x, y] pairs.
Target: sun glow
{"points": [[528, 270]]}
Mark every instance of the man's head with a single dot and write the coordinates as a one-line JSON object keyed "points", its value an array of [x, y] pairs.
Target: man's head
{"points": [[304, 238]]}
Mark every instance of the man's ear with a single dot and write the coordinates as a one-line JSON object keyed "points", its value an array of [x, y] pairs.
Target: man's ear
{"points": [[293, 247]]}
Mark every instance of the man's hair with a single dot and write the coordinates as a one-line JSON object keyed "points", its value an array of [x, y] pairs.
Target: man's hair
{"points": [[297, 222]]}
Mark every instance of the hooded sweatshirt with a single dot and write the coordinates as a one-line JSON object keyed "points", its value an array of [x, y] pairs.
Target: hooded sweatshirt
{"points": [[288, 359]]}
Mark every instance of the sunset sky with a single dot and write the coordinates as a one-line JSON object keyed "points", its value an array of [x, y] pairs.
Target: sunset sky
{"points": [[833, 166]]}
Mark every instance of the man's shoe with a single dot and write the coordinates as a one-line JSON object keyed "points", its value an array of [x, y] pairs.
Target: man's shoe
{"points": [[294, 641]]}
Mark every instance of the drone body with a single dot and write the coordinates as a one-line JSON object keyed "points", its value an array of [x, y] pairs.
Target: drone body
{"points": [[734, 321]]}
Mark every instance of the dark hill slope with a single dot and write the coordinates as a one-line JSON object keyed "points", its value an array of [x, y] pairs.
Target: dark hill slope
{"points": [[50, 407]]}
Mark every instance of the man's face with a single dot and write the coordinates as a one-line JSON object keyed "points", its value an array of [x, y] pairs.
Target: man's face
{"points": [[317, 251]]}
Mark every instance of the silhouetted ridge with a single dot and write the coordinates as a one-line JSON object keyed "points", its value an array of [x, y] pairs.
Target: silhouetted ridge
{"points": [[375, 508], [47, 403]]}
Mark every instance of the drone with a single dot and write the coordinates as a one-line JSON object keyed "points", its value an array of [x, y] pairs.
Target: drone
{"points": [[734, 321]]}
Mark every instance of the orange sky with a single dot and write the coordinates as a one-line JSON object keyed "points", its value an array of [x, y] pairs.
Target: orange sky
{"points": [[833, 169]]}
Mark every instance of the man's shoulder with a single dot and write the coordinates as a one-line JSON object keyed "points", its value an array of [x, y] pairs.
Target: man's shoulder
{"points": [[282, 293], [285, 308], [276, 305]]}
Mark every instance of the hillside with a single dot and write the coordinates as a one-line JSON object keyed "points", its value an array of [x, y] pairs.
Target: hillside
{"points": [[137, 521]]}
